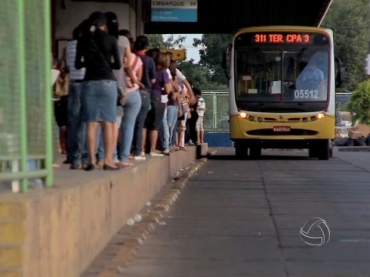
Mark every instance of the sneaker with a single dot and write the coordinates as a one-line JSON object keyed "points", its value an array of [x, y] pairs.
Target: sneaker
{"points": [[142, 154], [154, 154], [139, 158], [191, 143]]}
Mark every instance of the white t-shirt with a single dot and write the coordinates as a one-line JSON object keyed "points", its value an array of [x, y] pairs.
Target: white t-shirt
{"points": [[178, 74]]}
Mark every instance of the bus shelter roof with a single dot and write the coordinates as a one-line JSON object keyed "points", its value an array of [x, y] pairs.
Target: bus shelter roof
{"points": [[224, 17]]}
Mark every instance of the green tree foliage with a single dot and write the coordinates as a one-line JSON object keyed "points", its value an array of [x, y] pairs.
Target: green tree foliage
{"points": [[213, 46], [207, 74], [199, 75], [350, 22], [359, 103], [157, 41]]}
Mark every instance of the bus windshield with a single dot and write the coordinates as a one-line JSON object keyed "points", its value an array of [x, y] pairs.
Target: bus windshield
{"points": [[282, 71]]}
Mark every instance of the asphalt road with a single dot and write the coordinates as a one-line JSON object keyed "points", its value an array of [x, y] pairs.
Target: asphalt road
{"points": [[243, 218]]}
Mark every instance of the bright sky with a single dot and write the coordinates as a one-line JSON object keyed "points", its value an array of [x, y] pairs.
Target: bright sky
{"points": [[191, 51]]}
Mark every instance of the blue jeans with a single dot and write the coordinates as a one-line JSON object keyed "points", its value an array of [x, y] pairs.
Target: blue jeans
{"points": [[76, 134], [139, 124], [172, 114], [130, 113], [165, 133]]}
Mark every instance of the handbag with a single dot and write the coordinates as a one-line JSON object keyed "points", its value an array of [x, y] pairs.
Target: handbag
{"points": [[121, 93], [62, 86]]}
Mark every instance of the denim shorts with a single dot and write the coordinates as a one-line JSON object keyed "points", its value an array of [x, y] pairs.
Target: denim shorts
{"points": [[99, 101]]}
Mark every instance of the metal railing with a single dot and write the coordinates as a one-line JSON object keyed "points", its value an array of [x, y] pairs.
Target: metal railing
{"points": [[216, 117], [25, 94]]}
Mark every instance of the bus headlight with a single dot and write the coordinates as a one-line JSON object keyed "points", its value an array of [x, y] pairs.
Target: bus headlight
{"points": [[243, 115], [320, 115]]}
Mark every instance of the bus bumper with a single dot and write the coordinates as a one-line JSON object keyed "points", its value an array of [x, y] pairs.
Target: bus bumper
{"points": [[295, 134]]}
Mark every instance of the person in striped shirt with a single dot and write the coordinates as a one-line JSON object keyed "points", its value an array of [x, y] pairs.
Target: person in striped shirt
{"points": [[201, 108], [76, 128]]}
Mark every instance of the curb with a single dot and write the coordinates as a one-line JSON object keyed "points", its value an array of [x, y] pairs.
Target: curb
{"points": [[124, 246], [353, 148]]}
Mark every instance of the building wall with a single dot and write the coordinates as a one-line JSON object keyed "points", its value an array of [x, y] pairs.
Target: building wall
{"points": [[68, 17]]}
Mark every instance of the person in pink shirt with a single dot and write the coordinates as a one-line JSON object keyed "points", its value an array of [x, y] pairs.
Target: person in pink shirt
{"points": [[131, 107]]}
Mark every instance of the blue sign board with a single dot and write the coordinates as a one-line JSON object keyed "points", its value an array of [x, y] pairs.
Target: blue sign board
{"points": [[175, 11]]}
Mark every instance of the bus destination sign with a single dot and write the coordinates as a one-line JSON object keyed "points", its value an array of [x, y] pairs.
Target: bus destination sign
{"points": [[285, 38]]}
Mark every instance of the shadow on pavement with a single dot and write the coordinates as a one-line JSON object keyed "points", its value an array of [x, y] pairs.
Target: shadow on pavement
{"points": [[229, 154]]}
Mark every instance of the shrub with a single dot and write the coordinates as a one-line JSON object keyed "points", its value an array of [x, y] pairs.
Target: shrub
{"points": [[359, 104]]}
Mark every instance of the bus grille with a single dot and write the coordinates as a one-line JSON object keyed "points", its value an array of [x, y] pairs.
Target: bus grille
{"points": [[293, 132]]}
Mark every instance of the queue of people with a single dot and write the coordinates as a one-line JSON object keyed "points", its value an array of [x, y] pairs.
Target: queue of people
{"points": [[123, 100]]}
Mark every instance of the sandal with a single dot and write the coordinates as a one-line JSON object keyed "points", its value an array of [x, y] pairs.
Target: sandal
{"points": [[126, 164]]}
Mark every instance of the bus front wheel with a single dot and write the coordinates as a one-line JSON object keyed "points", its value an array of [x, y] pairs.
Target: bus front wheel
{"points": [[325, 151], [241, 151], [312, 152], [255, 152]]}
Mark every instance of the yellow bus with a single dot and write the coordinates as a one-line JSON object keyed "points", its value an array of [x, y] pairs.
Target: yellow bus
{"points": [[282, 83]]}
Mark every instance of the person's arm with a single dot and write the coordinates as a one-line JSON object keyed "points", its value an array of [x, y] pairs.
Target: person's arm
{"points": [[188, 86], [78, 60], [152, 71], [179, 104], [64, 55], [139, 73], [182, 77], [115, 54], [167, 84], [175, 85], [128, 69]]}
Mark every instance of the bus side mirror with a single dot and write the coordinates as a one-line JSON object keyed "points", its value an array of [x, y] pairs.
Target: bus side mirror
{"points": [[226, 61], [223, 64], [341, 72]]}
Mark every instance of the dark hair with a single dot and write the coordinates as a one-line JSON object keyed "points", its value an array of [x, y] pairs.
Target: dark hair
{"points": [[76, 33], [84, 28], [124, 32], [170, 54], [127, 34], [91, 31], [197, 91], [112, 23], [153, 53], [141, 43], [162, 62], [96, 19], [61, 65]]}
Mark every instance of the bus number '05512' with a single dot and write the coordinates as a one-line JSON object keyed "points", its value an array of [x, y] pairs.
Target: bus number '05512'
{"points": [[306, 94]]}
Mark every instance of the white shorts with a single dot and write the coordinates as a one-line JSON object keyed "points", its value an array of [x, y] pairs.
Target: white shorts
{"points": [[199, 124]]}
